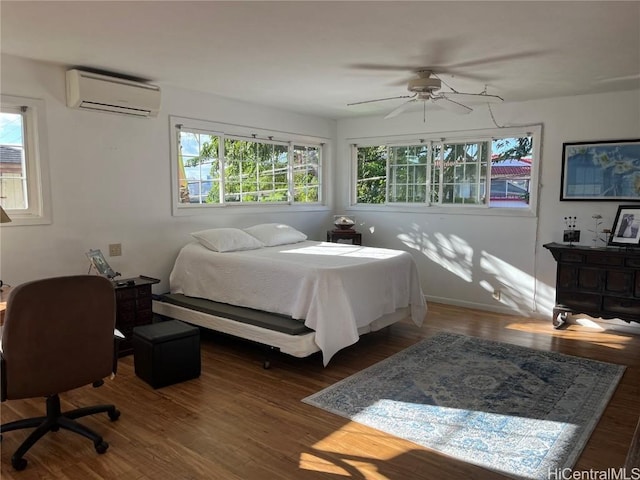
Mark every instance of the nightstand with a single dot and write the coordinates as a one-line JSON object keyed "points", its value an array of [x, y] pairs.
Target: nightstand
{"points": [[344, 236], [133, 307]]}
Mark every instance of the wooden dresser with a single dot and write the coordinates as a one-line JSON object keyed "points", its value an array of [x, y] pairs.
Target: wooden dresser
{"points": [[600, 282]]}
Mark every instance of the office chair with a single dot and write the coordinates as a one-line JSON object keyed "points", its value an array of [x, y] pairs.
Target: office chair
{"points": [[58, 335]]}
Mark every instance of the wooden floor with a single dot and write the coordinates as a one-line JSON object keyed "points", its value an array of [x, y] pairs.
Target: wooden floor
{"points": [[239, 421]]}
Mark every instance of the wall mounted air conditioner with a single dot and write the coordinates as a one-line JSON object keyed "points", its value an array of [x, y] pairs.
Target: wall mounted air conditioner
{"points": [[92, 91]]}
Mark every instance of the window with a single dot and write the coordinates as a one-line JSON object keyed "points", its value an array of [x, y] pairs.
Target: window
{"points": [[408, 173], [215, 168], [492, 170], [372, 174], [23, 167]]}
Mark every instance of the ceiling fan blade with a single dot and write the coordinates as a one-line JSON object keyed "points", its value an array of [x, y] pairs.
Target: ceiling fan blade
{"points": [[472, 97], [397, 111], [439, 70], [624, 78], [386, 67], [498, 58], [379, 100], [451, 105]]}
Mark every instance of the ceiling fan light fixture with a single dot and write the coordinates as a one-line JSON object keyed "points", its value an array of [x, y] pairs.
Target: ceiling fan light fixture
{"points": [[424, 84]]}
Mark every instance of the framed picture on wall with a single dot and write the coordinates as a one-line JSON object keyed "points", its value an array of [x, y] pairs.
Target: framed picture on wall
{"points": [[626, 227], [607, 170]]}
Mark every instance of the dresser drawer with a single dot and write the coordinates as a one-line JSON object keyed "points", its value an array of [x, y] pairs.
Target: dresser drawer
{"points": [[571, 257], [607, 260], [619, 282], [622, 305], [579, 301], [632, 262]]}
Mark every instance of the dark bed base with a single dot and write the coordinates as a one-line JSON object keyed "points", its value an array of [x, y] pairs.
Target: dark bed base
{"points": [[266, 320]]}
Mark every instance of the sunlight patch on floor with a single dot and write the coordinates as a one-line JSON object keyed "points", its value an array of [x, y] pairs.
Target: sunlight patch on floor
{"points": [[340, 453], [583, 330]]}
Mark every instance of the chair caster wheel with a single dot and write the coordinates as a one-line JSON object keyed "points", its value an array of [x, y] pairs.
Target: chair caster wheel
{"points": [[18, 463], [101, 446], [114, 415]]}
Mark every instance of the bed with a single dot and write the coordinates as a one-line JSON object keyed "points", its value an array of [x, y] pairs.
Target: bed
{"points": [[332, 292]]}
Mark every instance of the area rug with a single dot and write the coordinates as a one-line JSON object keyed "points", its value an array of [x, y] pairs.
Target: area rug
{"points": [[518, 411]]}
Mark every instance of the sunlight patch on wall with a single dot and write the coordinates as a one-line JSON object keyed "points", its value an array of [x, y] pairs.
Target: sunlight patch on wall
{"points": [[516, 287], [451, 252]]}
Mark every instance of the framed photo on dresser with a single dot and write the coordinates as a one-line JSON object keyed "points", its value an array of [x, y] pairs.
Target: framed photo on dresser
{"points": [[626, 227]]}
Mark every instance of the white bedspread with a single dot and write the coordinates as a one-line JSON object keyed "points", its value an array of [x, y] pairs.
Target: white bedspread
{"points": [[335, 288]]}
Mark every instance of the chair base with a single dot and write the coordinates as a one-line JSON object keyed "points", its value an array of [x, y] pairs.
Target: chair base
{"points": [[52, 422]]}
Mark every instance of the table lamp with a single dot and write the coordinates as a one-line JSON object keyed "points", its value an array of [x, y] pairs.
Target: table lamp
{"points": [[4, 218]]}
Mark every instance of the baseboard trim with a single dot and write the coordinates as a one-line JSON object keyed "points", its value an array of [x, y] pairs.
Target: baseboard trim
{"points": [[502, 309]]}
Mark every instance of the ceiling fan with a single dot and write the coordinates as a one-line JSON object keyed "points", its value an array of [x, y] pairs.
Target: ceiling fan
{"points": [[425, 87]]}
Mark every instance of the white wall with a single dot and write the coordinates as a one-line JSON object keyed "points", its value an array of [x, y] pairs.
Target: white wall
{"points": [[110, 181], [464, 257]]}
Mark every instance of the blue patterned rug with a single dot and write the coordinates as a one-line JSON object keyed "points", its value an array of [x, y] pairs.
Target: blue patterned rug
{"points": [[515, 410]]}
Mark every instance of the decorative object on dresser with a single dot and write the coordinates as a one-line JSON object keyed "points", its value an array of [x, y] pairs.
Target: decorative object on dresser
{"points": [[344, 222], [597, 239], [344, 231], [604, 170], [626, 227], [600, 282], [570, 235], [134, 307]]}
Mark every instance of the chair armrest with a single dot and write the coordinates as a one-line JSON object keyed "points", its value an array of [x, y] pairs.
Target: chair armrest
{"points": [[3, 379]]}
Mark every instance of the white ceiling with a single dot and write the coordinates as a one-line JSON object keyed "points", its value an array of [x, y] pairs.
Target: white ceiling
{"points": [[302, 56]]}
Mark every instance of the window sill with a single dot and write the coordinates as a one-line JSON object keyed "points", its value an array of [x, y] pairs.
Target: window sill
{"points": [[449, 210], [193, 210]]}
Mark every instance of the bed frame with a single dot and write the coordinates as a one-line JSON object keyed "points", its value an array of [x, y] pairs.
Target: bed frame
{"points": [[278, 332]]}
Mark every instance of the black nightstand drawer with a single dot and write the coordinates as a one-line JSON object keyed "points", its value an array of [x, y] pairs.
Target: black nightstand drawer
{"points": [[134, 308]]}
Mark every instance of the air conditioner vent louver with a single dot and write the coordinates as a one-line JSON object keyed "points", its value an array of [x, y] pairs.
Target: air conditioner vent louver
{"points": [[92, 91]]}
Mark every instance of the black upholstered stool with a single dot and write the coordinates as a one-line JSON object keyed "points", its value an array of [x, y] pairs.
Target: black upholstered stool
{"points": [[165, 353]]}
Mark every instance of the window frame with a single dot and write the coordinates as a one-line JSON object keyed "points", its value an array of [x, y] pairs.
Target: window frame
{"points": [[238, 132], [474, 136], [39, 209]]}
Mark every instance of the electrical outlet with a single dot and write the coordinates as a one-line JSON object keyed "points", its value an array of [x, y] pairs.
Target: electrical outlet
{"points": [[115, 249]]}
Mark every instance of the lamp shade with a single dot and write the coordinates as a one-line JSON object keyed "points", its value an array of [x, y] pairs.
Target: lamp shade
{"points": [[4, 218]]}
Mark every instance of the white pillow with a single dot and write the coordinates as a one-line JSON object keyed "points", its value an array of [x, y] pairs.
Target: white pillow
{"points": [[272, 234], [227, 239]]}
